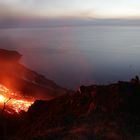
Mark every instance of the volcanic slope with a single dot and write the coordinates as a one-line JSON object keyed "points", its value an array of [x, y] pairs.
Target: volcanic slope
{"points": [[24, 81], [95, 112]]}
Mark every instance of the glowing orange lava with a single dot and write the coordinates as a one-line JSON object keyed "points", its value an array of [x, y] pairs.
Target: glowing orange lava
{"points": [[13, 102]]}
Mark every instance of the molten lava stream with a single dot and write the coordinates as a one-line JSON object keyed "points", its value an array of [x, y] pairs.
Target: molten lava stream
{"points": [[13, 103]]}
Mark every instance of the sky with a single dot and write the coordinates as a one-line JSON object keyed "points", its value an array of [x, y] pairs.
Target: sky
{"points": [[77, 9], [72, 8]]}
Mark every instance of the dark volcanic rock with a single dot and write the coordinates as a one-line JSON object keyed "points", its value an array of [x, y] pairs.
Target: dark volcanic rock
{"points": [[6, 55], [94, 113]]}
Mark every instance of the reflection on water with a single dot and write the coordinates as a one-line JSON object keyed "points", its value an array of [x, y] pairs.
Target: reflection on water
{"points": [[72, 56]]}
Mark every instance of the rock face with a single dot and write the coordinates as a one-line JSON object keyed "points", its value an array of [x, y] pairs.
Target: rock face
{"points": [[94, 113], [22, 80]]}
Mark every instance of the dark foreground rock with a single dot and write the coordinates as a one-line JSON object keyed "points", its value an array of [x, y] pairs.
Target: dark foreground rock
{"points": [[95, 112]]}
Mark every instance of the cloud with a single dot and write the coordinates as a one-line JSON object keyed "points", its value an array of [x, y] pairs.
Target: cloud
{"points": [[46, 13], [59, 8]]}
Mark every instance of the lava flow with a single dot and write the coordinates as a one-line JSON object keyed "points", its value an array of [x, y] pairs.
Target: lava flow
{"points": [[13, 102]]}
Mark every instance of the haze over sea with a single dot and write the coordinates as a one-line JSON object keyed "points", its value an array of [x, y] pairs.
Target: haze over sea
{"points": [[72, 56]]}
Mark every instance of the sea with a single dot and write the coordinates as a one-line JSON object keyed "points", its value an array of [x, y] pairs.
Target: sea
{"points": [[77, 55]]}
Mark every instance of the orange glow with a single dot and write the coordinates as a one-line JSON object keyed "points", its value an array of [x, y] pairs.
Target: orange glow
{"points": [[2, 98], [13, 102]]}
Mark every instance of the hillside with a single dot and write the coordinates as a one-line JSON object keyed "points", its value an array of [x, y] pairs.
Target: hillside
{"points": [[20, 79], [95, 112]]}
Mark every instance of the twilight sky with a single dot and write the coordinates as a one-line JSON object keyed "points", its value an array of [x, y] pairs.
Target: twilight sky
{"points": [[83, 9], [46, 13]]}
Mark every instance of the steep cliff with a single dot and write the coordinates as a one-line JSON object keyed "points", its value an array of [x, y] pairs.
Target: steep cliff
{"points": [[20, 79]]}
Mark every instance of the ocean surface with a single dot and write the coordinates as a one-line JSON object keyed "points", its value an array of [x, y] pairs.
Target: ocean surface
{"points": [[72, 56]]}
